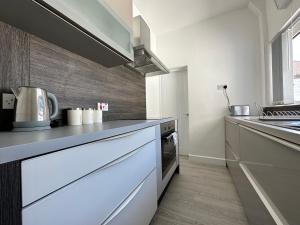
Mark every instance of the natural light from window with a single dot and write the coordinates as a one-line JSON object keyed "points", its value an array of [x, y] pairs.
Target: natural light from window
{"points": [[296, 67]]}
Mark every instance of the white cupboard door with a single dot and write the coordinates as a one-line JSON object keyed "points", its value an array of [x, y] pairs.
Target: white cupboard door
{"points": [[90, 200], [123, 8], [98, 19], [140, 207]]}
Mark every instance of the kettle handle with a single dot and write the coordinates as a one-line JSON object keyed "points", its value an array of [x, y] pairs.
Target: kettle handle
{"points": [[54, 104]]}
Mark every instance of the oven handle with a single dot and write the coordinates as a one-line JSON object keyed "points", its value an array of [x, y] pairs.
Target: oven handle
{"points": [[171, 136], [168, 137]]}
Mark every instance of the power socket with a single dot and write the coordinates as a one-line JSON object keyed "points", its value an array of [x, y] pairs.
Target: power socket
{"points": [[8, 101], [220, 87]]}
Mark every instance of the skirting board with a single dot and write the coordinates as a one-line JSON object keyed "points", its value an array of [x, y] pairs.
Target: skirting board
{"points": [[207, 160]]}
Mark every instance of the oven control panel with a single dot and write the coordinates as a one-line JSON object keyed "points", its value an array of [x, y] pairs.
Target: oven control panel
{"points": [[167, 127]]}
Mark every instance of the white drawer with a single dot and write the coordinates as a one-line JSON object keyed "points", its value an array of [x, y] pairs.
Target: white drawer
{"points": [[45, 174], [90, 200], [139, 207]]}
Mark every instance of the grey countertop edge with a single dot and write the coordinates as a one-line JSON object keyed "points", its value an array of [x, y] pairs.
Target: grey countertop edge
{"points": [[279, 132], [43, 142]]}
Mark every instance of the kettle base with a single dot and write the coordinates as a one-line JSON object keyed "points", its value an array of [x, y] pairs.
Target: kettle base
{"points": [[28, 129], [31, 126]]}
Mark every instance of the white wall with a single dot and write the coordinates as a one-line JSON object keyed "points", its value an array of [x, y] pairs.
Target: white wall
{"points": [[222, 50], [258, 8]]}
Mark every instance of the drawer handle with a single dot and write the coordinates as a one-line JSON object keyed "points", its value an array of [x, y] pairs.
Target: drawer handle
{"points": [[117, 161], [124, 204], [278, 140], [120, 136]]}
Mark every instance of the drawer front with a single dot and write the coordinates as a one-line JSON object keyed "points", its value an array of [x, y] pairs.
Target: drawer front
{"points": [[263, 149], [45, 174], [139, 207], [90, 200]]}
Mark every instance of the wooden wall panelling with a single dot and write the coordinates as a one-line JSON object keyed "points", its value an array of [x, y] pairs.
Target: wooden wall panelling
{"points": [[14, 57], [14, 66], [79, 82]]}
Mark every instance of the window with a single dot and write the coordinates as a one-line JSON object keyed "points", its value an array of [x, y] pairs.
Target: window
{"points": [[296, 67], [286, 65]]}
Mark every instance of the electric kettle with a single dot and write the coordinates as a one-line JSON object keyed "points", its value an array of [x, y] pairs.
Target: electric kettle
{"points": [[32, 108]]}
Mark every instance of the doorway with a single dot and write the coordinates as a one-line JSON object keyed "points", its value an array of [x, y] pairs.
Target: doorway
{"points": [[167, 96]]}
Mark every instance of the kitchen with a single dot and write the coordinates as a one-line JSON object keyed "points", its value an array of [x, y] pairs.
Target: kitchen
{"points": [[149, 112]]}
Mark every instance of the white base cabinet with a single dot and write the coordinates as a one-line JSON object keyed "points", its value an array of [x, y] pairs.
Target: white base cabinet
{"points": [[265, 170], [123, 191], [45, 174]]}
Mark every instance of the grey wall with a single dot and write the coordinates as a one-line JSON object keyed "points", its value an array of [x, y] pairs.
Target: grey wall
{"points": [[76, 81]]}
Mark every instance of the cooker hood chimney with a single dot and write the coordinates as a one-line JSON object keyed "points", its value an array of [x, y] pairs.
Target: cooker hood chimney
{"points": [[145, 60]]}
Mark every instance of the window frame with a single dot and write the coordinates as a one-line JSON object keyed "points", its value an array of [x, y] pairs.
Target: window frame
{"points": [[282, 75]]}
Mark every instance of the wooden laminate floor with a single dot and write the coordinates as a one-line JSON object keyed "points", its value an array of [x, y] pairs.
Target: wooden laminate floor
{"points": [[200, 195]]}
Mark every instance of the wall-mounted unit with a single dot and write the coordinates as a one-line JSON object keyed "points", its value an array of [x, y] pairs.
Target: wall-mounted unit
{"points": [[145, 61], [88, 28]]}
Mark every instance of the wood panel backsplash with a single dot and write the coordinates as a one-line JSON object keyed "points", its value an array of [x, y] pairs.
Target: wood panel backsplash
{"points": [[76, 81]]}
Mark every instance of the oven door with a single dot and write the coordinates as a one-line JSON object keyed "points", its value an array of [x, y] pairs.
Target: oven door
{"points": [[168, 152]]}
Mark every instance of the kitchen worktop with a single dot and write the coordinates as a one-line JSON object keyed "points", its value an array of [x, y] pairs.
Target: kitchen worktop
{"points": [[20, 145], [266, 127]]}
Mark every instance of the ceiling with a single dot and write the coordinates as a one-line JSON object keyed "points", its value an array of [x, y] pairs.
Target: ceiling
{"points": [[166, 15]]}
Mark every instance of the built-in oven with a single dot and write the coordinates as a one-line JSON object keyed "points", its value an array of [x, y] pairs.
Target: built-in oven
{"points": [[168, 146], [167, 160]]}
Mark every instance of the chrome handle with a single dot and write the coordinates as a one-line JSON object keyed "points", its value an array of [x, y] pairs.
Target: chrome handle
{"points": [[120, 136], [117, 161], [124, 204], [168, 137]]}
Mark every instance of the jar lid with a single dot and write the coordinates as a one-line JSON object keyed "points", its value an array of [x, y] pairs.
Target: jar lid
{"points": [[73, 109]]}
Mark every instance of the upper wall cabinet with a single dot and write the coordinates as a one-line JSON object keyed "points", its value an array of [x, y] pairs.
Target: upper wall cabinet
{"points": [[89, 28]]}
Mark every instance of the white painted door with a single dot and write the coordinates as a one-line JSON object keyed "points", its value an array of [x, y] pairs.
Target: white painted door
{"points": [[183, 111], [167, 96], [153, 97]]}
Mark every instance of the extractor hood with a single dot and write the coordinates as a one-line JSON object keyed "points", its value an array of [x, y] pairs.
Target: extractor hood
{"points": [[145, 61]]}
